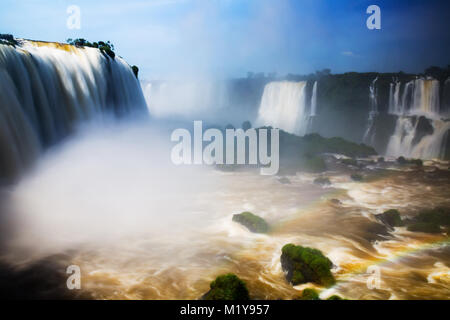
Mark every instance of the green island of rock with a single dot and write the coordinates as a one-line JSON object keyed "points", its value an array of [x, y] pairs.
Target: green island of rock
{"points": [[252, 222], [303, 265], [227, 287]]}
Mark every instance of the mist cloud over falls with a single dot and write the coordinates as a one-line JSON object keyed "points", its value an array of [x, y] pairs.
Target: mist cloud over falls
{"points": [[104, 185]]}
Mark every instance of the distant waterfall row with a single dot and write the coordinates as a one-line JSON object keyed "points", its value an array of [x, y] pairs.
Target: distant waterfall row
{"points": [[185, 99], [418, 97], [421, 130], [47, 88], [284, 105]]}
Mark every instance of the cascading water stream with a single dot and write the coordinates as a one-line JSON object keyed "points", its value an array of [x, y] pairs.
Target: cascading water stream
{"points": [[420, 98], [395, 107], [188, 99], [445, 104], [283, 106], [313, 110], [46, 89], [314, 101], [370, 129], [406, 97]]}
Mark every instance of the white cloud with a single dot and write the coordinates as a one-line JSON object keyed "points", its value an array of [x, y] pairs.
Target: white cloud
{"points": [[348, 53]]}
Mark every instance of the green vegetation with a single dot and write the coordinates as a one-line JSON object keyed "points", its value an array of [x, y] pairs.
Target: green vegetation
{"points": [[357, 177], [284, 180], [427, 227], [304, 265], [439, 216], [318, 144], [335, 297], [246, 125], [322, 181], [310, 294], [391, 218], [107, 48], [8, 39], [304, 153], [404, 161], [252, 222], [135, 70], [431, 220], [438, 73], [227, 287], [313, 164], [350, 162], [401, 160]]}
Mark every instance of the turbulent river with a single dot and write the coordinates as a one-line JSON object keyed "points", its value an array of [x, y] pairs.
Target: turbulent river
{"points": [[110, 201]]}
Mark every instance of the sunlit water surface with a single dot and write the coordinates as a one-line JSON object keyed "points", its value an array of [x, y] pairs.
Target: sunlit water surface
{"points": [[142, 228]]}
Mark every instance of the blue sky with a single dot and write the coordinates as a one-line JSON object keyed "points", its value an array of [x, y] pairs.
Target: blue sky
{"points": [[230, 37]]}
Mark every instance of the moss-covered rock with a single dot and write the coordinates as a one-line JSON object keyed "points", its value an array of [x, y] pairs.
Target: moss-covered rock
{"points": [[350, 162], [315, 144], [417, 162], [401, 160], [431, 220], [313, 164], [303, 265], [323, 181], [390, 218], [336, 201], [227, 287], [8, 39], [310, 294], [284, 180], [335, 297], [252, 222], [439, 216], [404, 161], [427, 227], [357, 177]]}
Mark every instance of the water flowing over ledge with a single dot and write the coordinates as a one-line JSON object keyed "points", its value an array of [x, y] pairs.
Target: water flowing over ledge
{"points": [[46, 89], [284, 105], [397, 114], [419, 111]]}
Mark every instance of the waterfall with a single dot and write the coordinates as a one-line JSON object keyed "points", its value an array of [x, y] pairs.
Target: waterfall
{"points": [[188, 99], [430, 146], [445, 105], [395, 106], [283, 105], [400, 143], [370, 129], [420, 98], [408, 93], [314, 100], [48, 88], [313, 108], [426, 97]]}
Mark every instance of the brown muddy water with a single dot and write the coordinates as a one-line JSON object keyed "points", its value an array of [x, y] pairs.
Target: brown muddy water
{"points": [[141, 229]]}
